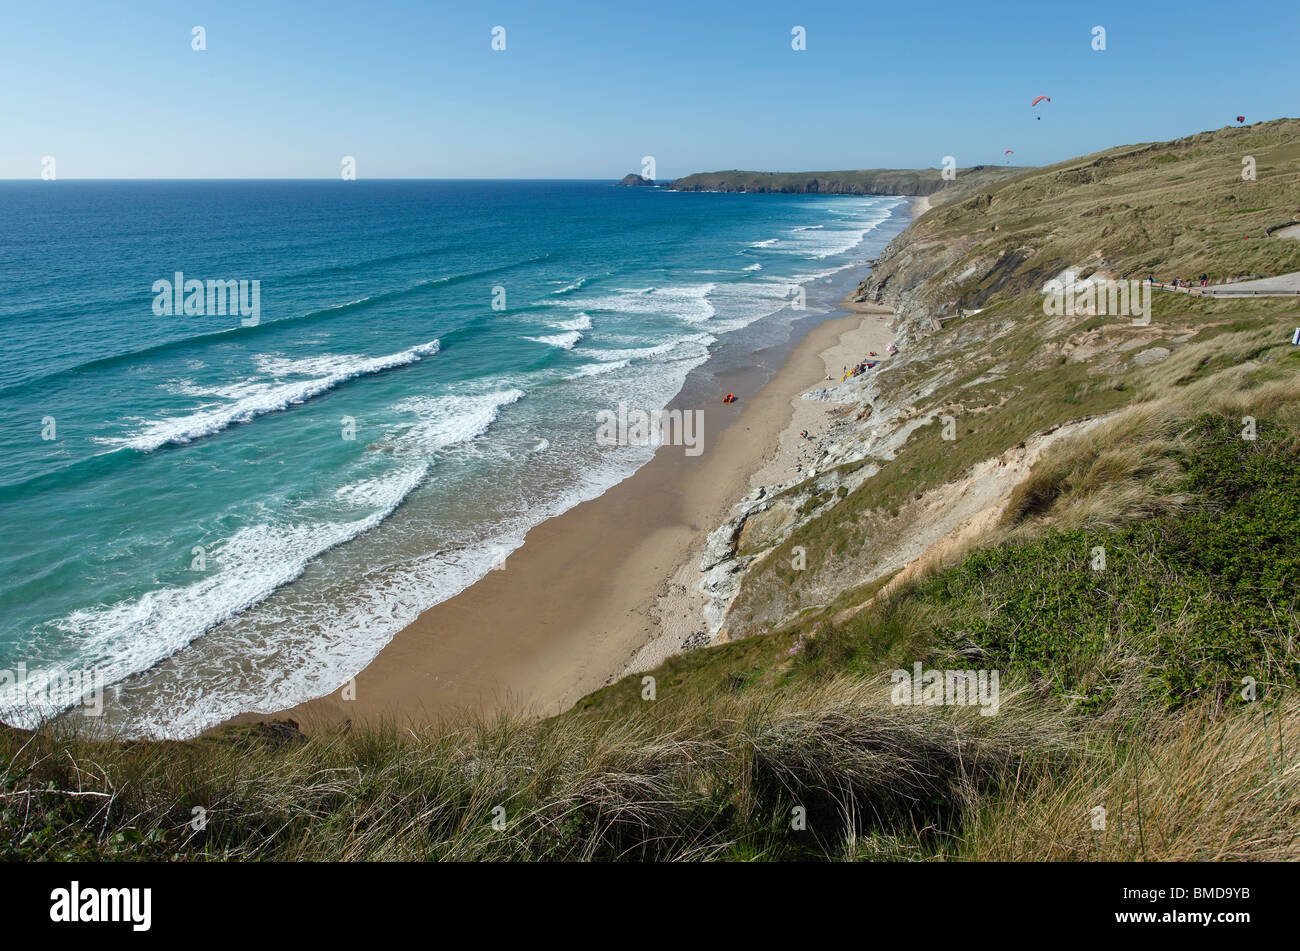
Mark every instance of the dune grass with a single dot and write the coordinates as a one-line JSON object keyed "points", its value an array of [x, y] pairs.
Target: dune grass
{"points": [[699, 776]]}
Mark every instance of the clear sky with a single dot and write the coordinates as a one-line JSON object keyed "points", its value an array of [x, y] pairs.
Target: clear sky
{"points": [[585, 90]]}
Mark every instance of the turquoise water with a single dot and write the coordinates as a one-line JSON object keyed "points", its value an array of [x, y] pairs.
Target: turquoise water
{"points": [[181, 509]]}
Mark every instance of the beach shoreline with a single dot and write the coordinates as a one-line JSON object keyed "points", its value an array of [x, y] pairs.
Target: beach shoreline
{"points": [[611, 586]]}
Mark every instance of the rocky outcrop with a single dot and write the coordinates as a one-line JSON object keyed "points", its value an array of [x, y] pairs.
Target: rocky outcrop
{"points": [[634, 181]]}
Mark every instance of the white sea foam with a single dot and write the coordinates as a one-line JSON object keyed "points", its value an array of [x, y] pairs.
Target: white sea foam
{"points": [[124, 638], [565, 341], [740, 304], [625, 354], [675, 357], [581, 322], [321, 644], [595, 369], [850, 223], [447, 420], [686, 302], [568, 288], [253, 398], [131, 636], [316, 654]]}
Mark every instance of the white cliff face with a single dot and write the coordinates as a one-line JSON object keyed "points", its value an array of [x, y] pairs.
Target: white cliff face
{"points": [[769, 515], [910, 391]]}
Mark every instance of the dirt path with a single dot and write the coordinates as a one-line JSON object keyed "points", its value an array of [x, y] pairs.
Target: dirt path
{"points": [[1284, 285]]}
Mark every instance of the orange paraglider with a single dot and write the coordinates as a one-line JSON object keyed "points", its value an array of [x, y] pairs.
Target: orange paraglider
{"points": [[1040, 99]]}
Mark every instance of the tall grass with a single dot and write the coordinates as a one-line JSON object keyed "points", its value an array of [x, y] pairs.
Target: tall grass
{"points": [[702, 777], [1195, 787]]}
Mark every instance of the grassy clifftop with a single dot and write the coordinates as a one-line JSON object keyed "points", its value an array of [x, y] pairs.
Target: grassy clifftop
{"points": [[875, 181], [1106, 513], [1170, 209]]}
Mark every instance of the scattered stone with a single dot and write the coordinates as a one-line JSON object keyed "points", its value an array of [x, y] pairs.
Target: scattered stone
{"points": [[1154, 355], [696, 640]]}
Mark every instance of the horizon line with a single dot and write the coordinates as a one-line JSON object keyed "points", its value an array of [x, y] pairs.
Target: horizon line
{"points": [[288, 178]]}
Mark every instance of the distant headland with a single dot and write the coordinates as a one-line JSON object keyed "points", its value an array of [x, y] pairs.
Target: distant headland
{"points": [[876, 181]]}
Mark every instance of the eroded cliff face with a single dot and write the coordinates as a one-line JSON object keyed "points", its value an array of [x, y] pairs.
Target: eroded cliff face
{"points": [[926, 449], [954, 260], [799, 544]]}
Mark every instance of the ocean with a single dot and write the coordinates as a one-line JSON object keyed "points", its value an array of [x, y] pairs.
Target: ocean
{"points": [[211, 509]]}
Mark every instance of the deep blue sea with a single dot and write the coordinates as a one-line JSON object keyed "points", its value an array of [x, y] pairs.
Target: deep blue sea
{"points": [[219, 515]]}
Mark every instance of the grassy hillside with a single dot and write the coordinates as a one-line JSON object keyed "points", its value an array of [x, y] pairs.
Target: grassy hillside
{"points": [[978, 349], [1107, 514], [1175, 209]]}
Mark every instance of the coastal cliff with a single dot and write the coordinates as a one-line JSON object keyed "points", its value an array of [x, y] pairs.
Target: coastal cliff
{"points": [[965, 283]]}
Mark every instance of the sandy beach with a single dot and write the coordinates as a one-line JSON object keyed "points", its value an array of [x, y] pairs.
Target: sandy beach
{"points": [[609, 587]]}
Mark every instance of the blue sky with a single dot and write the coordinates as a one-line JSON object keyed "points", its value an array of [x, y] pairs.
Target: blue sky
{"points": [[584, 90]]}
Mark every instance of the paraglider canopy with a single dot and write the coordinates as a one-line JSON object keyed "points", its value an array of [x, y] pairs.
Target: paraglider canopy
{"points": [[1241, 118], [1040, 99]]}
